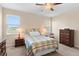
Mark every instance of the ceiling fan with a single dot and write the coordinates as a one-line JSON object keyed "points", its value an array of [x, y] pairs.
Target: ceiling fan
{"points": [[48, 6]]}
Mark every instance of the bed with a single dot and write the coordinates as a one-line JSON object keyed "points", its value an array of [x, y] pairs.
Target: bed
{"points": [[37, 45]]}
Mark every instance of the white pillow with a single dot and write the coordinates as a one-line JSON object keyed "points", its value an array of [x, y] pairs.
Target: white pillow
{"points": [[34, 33]]}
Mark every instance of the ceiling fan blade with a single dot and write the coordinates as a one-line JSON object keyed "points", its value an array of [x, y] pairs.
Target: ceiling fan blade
{"points": [[57, 3], [39, 4]]}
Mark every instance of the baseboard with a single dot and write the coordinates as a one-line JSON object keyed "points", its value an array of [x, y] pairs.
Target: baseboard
{"points": [[77, 46], [9, 46]]}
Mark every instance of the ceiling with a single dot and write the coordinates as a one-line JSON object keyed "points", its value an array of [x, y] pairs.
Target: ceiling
{"points": [[32, 8]]}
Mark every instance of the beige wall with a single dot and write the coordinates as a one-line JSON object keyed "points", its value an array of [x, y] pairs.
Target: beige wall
{"points": [[70, 20], [28, 20], [0, 23]]}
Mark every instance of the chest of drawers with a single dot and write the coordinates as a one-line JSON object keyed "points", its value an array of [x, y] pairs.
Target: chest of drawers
{"points": [[67, 37]]}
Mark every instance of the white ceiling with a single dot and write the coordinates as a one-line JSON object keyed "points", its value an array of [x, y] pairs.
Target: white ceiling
{"points": [[31, 7]]}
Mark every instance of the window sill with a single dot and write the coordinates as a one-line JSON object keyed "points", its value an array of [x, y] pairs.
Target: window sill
{"points": [[11, 33]]}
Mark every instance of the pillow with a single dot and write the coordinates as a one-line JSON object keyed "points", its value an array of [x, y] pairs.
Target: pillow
{"points": [[34, 33], [43, 31]]}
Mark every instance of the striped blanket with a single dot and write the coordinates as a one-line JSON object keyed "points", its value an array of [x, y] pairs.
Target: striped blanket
{"points": [[36, 44]]}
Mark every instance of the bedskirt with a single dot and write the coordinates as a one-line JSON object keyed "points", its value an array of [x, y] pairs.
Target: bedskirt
{"points": [[41, 53]]}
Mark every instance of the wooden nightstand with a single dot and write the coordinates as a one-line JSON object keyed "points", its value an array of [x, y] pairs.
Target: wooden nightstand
{"points": [[19, 42]]}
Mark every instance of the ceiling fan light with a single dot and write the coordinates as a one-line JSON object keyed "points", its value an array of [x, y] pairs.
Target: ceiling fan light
{"points": [[48, 6]]}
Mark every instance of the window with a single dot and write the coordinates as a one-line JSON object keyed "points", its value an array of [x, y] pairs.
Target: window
{"points": [[13, 22]]}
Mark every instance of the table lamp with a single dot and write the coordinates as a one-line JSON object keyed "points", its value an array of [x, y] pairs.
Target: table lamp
{"points": [[20, 33]]}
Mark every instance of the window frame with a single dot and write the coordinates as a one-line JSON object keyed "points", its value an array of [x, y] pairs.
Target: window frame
{"points": [[7, 24]]}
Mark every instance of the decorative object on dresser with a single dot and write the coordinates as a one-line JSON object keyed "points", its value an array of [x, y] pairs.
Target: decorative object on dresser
{"points": [[51, 35], [19, 42], [67, 37], [3, 48]]}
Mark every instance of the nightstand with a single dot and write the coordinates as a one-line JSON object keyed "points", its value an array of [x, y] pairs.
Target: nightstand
{"points": [[19, 42]]}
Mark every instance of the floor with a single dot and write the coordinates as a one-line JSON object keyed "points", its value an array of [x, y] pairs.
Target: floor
{"points": [[63, 51], [68, 51], [20, 51]]}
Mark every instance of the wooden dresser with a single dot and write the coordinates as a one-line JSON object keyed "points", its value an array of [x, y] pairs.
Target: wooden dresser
{"points": [[3, 48], [67, 37]]}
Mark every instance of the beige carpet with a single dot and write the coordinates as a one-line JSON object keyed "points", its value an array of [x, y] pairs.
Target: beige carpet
{"points": [[63, 51], [18, 51], [21, 51], [68, 51]]}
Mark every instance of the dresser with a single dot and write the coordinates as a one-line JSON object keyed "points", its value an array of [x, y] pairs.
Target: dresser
{"points": [[3, 48], [67, 37]]}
